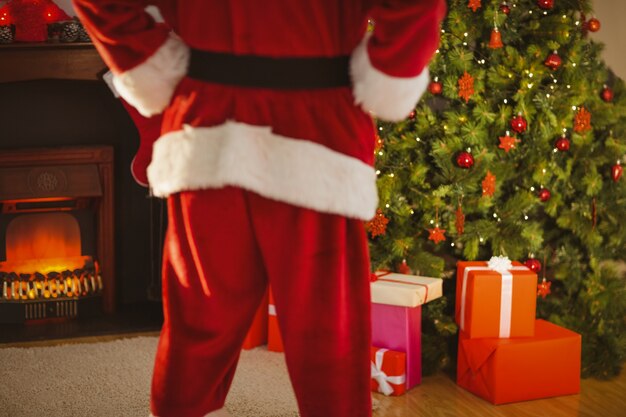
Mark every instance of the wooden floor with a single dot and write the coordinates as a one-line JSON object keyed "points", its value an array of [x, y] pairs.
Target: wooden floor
{"points": [[439, 396]]}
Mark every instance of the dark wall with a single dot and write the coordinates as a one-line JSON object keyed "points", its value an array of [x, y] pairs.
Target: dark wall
{"points": [[49, 113]]}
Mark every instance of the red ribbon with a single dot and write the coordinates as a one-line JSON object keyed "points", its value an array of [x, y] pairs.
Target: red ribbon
{"points": [[374, 278]]}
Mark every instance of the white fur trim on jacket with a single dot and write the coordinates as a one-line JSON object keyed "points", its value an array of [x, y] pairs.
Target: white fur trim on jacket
{"points": [[294, 171], [150, 85], [386, 97]]}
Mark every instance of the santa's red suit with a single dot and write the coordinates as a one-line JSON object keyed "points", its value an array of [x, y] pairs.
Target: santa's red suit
{"points": [[265, 183]]}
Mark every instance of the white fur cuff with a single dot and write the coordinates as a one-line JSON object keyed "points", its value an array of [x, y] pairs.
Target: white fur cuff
{"points": [[386, 97], [149, 86], [294, 171]]}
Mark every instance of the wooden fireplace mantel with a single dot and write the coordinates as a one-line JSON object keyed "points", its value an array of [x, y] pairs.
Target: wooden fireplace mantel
{"points": [[46, 60]]}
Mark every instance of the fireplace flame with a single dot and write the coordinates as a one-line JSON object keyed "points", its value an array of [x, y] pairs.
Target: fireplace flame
{"points": [[44, 258], [43, 236]]}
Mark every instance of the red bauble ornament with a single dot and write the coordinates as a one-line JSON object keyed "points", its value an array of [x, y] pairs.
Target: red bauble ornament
{"points": [[435, 87], [562, 144], [412, 115], [607, 94], [505, 8], [533, 264], [545, 4], [616, 172], [519, 124], [465, 160], [593, 24], [544, 194], [553, 61]]}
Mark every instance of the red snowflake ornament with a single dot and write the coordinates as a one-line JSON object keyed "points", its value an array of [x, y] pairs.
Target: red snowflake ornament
{"points": [[437, 235], [474, 5], [466, 86], [378, 225], [507, 142]]}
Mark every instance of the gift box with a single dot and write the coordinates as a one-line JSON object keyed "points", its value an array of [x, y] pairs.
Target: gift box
{"points": [[495, 299], [404, 290], [388, 371], [257, 334], [274, 339], [398, 326], [400, 329], [519, 369]]}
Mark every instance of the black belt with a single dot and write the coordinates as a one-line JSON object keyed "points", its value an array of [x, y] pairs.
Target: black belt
{"points": [[265, 72]]}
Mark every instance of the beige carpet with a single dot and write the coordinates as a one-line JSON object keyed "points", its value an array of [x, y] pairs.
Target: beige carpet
{"points": [[112, 379]]}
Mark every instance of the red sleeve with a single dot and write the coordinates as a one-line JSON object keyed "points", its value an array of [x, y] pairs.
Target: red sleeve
{"points": [[406, 35], [122, 31], [147, 59], [390, 66]]}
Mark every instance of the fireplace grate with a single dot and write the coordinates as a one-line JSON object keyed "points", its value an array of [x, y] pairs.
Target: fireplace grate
{"points": [[18, 312]]}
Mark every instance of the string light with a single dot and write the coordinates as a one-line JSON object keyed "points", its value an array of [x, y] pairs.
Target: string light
{"points": [[532, 188], [387, 205], [378, 172], [380, 153]]}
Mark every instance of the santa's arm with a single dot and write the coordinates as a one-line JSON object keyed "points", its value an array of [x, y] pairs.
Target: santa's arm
{"points": [[390, 66], [147, 60]]}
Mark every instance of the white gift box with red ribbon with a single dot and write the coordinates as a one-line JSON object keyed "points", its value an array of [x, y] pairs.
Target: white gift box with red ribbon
{"points": [[404, 290]]}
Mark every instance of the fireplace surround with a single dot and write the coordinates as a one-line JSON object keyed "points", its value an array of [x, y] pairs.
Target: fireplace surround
{"points": [[52, 97], [56, 232]]}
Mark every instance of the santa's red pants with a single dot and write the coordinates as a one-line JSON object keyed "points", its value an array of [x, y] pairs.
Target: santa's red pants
{"points": [[223, 247]]}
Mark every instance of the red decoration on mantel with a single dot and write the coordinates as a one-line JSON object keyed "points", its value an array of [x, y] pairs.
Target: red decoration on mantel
{"points": [[31, 18]]}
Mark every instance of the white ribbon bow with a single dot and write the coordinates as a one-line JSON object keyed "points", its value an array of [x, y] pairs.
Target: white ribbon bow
{"points": [[383, 380], [503, 265]]}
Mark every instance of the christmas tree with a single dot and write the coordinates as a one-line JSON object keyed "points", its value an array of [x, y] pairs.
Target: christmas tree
{"points": [[515, 150]]}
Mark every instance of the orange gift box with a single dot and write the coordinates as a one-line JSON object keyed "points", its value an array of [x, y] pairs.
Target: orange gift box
{"points": [[257, 335], [274, 339], [388, 371], [495, 299], [519, 369]]}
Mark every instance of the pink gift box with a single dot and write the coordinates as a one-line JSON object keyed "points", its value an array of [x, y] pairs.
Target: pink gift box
{"points": [[400, 329]]}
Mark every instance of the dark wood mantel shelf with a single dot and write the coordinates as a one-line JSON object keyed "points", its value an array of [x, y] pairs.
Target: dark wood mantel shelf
{"points": [[33, 61]]}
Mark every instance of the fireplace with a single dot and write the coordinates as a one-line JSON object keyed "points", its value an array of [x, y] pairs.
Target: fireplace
{"points": [[56, 233], [53, 97]]}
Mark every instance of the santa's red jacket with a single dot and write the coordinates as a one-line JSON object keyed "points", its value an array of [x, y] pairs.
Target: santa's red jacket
{"points": [[311, 148]]}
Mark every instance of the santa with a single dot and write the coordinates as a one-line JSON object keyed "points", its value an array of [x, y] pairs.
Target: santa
{"points": [[265, 155]]}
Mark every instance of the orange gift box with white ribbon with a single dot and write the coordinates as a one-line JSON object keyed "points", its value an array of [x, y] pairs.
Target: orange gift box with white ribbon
{"points": [[274, 339], [257, 334], [495, 299], [388, 371]]}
